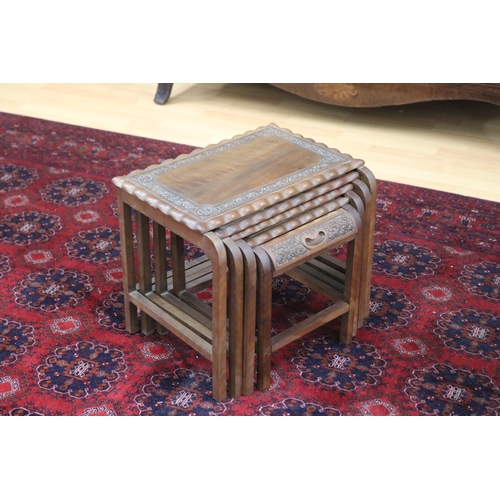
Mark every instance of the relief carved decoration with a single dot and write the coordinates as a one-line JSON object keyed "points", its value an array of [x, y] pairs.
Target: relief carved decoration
{"points": [[315, 237], [143, 184], [147, 179]]}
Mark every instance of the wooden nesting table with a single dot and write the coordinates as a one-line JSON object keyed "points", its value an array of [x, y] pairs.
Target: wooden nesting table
{"points": [[227, 199]]}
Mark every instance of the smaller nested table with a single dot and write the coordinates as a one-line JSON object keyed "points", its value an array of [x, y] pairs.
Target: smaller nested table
{"points": [[217, 198]]}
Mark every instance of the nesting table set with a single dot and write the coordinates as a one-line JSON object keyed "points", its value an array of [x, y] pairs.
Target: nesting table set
{"points": [[261, 204]]}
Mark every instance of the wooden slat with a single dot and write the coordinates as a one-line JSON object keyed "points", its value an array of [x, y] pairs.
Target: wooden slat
{"points": [[308, 325], [144, 264], [330, 274], [198, 275], [178, 265], [301, 274], [235, 311], [191, 305], [160, 258], [332, 262], [196, 303], [354, 264], [264, 312], [249, 312], [216, 252], [367, 177], [159, 279], [127, 256], [164, 314], [182, 313]]}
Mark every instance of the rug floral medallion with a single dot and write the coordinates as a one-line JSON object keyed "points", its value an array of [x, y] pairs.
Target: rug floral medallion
{"points": [[431, 345]]}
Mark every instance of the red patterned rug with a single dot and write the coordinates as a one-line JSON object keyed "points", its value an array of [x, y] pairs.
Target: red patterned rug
{"points": [[431, 345]]}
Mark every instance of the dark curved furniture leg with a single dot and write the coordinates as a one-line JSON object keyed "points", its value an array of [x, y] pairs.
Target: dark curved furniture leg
{"points": [[163, 92]]}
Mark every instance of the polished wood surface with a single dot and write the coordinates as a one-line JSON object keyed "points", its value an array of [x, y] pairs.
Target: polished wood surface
{"points": [[451, 146], [224, 176], [248, 174], [251, 173], [384, 94]]}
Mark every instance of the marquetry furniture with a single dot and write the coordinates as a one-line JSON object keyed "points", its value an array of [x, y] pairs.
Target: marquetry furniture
{"points": [[228, 200], [368, 95]]}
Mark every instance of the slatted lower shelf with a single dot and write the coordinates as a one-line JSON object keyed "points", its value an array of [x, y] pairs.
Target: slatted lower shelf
{"points": [[190, 319], [186, 316], [198, 274], [308, 325], [324, 274], [188, 329]]}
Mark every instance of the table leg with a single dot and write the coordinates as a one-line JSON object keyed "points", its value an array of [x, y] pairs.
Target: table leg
{"points": [[216, 252], [144, 259], [160, 264], [236, 299], [178, 265], [370, 211], [127, 256], [264, 313], [354, 261], [249, 315], [363, 191]]}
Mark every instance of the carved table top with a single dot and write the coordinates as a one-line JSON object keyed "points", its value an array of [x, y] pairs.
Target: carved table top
{"points": [[222, 183]]}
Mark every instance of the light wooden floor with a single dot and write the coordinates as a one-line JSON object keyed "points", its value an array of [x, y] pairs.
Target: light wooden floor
{"points": [[451, 146]]}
